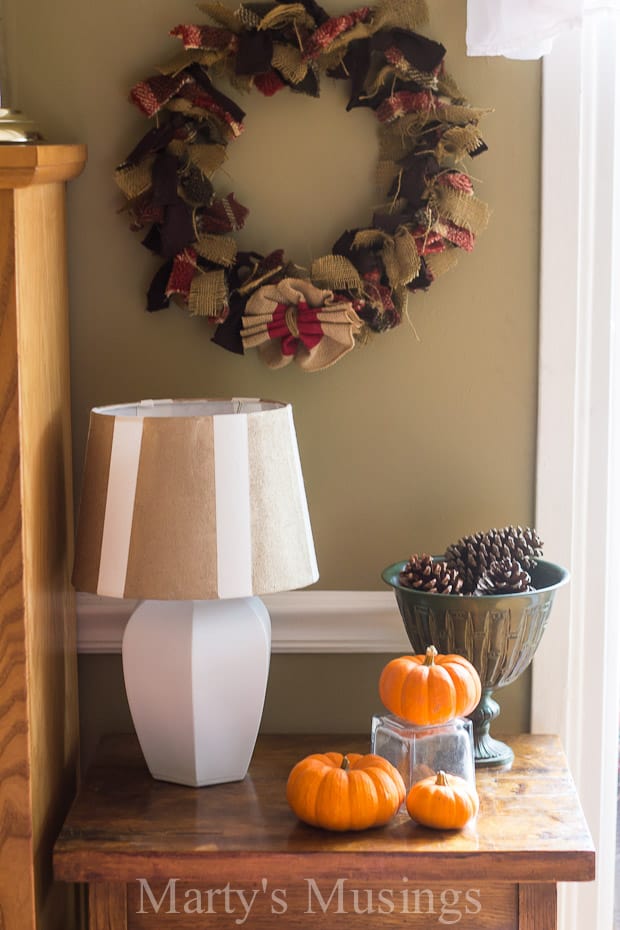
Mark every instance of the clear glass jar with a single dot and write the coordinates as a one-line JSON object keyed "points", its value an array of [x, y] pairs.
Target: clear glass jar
{"points": [[419, 752]]}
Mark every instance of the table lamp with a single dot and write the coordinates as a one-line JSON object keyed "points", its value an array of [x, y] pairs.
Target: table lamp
{"points": [[195, 507]]}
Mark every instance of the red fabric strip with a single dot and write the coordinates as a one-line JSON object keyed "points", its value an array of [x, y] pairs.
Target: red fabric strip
{"points": [[330, 30], [460, 237], [182, 274], [269, 83], [310, 331], [405, 101], [207, 37], [428, 242], [154, 93], [456, 180]]}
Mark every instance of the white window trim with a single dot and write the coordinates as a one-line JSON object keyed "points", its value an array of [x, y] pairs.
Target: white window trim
{"points": [[575, 678]]}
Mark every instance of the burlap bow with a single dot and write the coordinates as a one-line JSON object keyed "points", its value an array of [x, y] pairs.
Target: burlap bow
{"points": [[296, 320]]}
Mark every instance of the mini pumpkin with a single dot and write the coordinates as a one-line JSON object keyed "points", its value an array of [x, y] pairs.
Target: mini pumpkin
{"points": [[443, 802], [345, 792], [430, 689]]}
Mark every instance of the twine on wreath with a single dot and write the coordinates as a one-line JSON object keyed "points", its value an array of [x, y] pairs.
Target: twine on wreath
{"points": [[426, 130]]}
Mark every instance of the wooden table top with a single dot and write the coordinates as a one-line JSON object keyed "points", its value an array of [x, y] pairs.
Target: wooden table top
{"points": [[125, 825]]}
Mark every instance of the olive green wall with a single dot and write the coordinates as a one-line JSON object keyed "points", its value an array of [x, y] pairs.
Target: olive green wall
{"points": [[328, 694], [423, 435]]}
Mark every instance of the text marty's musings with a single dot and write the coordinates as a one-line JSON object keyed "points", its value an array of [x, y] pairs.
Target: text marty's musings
{"points": [[342, 896]]}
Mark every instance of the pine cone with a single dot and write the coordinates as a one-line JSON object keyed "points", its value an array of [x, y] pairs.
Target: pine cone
{"points": [[514, 542], [435, 577], [505, 576], [472, 555], [468, 559]]}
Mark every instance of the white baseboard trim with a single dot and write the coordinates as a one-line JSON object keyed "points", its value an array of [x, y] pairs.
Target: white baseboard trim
{"points": [[301, 621]]}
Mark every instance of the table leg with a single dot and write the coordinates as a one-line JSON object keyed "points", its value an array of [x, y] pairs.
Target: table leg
{"points": [[107, 906], [538, 906]]}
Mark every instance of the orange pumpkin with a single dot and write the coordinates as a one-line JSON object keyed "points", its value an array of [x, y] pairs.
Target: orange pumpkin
{"points": [[430, 689], [442, 802], [345, 792]]}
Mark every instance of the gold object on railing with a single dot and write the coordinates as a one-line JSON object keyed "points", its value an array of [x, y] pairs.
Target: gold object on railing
{"points": [[15, 126]]}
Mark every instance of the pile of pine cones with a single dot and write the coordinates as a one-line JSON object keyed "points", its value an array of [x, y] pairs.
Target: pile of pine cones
{"points": [[495, 562]]}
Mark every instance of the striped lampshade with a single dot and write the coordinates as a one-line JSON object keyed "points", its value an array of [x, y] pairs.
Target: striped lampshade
{"points": [[193, 500]]}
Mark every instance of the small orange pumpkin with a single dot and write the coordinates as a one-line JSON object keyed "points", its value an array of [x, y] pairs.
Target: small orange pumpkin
{"points": [[345, 792], [442, 802], [430, 689]]}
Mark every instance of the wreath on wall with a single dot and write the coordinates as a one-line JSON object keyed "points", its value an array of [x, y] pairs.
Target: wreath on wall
{"points": [[428, 207]]}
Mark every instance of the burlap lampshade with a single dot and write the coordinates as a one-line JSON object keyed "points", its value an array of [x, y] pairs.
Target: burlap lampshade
{"points": [[193, 500]]}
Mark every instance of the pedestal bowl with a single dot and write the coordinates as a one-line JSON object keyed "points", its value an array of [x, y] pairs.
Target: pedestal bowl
{"points": [[498, 634]]}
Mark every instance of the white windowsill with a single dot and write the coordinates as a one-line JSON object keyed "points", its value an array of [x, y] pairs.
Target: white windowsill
{"points": [[301, 621]]}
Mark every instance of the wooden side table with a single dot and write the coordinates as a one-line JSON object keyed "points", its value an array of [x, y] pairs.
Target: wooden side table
{"points": [[161, 856]]}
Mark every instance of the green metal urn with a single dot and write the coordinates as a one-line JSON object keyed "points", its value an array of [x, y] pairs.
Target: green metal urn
{"points": [[498, 634]]}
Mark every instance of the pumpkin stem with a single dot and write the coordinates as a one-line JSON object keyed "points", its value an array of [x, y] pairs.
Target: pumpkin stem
{"points": [[442, 779], [431, 652], [345, 763]]}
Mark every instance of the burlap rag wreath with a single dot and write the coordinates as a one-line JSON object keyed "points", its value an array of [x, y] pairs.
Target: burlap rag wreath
{"points": [[428, 209]]}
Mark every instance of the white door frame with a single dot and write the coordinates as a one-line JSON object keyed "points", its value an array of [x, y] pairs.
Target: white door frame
{"points": [[576, 672]]}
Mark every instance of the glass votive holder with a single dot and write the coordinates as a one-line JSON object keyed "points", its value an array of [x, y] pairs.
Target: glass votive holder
{"points": [[419, 752]]}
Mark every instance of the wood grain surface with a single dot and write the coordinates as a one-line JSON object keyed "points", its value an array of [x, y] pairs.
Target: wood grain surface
{"points": [[16, 842], [537, 907], [107, 907], [38, 667], [126, 826], [23, 165]]}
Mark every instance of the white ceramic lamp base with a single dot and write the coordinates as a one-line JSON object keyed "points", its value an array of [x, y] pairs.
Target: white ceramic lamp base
{"points": [[196, 675]]}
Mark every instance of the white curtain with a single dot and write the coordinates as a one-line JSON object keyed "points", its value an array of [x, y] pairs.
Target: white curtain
{"points": [[525, 28]]}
